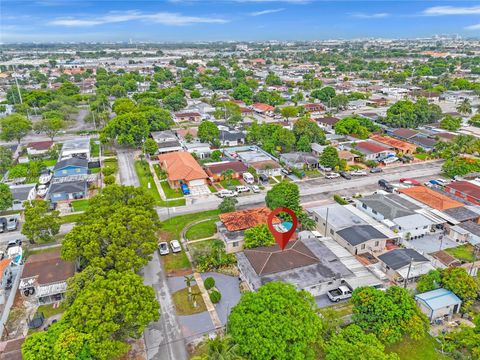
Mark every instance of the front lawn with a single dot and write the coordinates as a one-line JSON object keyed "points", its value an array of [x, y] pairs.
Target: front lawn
{"points": [[160, 174], [212, 188], [94, 148], [111, 163], [49, 162], [184, 306], [71, 218], [229, 183], [169, 192], [202, 230], [201, 246], [170, 229], [95, 170], [421, 156], [172, 203], [79, 205], [145, 177], [423, 349], [462, 253], [49, 310], [176, 262]]}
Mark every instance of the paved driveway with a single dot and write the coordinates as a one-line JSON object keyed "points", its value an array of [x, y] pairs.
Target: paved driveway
{"points": [[229, 288], [431, 243]]}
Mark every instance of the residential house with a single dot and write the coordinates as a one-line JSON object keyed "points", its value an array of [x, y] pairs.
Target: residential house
{"points": [[244, 111], [268, 168], [351, 229], [313, 108], [45, 276], [69, 190], [182, 168], [431, 198], [22, 193], [78, 148], [402, 265], [39, 147], [404, 133], [201, 150], [166, 141], [438, 304], [426, 143], [231, 138], [373, 151], [317, 149], [70, 166], [397, 145], [347, 156], [232, 226], [216, 170], [188, 116], [299, 160], [327, 123], [397, 213], [465, 190], [262, 108]]}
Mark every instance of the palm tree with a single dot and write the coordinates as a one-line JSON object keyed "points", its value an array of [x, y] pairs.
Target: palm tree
{"points": [[465, 107], [188, 281], [222, 348], [228, 175], [194, 298]]}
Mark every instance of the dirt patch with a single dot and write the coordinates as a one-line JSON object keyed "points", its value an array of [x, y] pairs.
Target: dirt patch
{"points": [[164, 235], [136, 351], [179, 272], [16, 325]]}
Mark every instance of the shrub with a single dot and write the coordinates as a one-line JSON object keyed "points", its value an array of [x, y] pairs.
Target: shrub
{"points": [[107, 171], [215, 296], [209, 283], [109, 180], [340, 200]]}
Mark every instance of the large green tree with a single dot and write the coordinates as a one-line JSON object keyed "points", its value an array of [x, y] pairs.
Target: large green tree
{"points": [[50, 126], [329, 157], [277, 322], [208, 131], [129, 129], [41, 225], [6, 159], [324, 94], [284, 194], [6, 197], [258, 236], [14, 127], [457, 280], [309, 128]]}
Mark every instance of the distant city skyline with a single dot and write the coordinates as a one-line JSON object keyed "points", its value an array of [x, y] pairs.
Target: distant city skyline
{"points": [[233, 20]]}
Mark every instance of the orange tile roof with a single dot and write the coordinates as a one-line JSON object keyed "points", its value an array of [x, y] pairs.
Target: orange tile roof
{"points": [[395, 143], [3, 265], [263, 107], [181, 166], [246, 219], [431, 198]]}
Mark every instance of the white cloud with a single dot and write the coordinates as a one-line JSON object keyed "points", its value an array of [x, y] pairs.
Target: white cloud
{"points": [[165, 18], [265, 12], [473, 27], [371, 16], [451, 10]]}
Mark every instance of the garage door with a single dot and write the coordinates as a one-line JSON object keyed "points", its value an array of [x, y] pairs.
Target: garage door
{"points": [[197, 182]]}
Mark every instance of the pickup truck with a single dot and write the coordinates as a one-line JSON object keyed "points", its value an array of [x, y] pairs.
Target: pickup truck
{"points": [[341, 293]]}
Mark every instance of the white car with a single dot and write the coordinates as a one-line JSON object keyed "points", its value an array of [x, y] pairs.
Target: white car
{"points": [[163, 248], [255, 189], [442, 182], [226, 193], [175, 245], [332, 175], [45, 178], [242, 188], [42, 190], [358, 173]]}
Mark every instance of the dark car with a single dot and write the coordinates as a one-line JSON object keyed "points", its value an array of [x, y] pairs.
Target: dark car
{"points": [[263, 178], [345, 175], [385, 185], [376, 170]]}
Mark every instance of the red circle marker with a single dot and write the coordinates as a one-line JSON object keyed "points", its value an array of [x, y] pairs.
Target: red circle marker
{"points": [[282, 238]]}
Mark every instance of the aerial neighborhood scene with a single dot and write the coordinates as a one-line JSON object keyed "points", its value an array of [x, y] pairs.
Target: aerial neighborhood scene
{"points": [[235, 179]]}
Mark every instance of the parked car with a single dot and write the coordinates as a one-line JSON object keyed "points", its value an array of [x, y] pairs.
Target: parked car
{"points": [[263, 178], [410, 181], [286, 172], [12, 223], [341, 293], [385, 185], [249, 179], [163, 248], [255, 188], [13, 243], [175, 245], [376, 170], [442, 182], [346, 175], [359, 173], [324, 168], [332, 175], [185, 189], [242, 188], [226, 193]]}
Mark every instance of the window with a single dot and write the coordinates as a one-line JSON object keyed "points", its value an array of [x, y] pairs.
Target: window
{"points": [[362, 247], [331, 231], [377, 243], [373, 211], [235, 243], [364, 206]]}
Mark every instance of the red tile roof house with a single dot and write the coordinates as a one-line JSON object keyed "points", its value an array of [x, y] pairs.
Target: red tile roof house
{"points": [[465, 190], [232, 226], [262, 108], [188, 116], [39, 148], [373, 151], [215, 170], [314, 107], [182, 168]]}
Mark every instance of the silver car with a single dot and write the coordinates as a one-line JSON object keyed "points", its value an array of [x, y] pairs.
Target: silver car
{"points": [[163, 248], [175, 245]]}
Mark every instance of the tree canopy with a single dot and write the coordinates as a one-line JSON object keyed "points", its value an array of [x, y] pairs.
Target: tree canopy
{"points": [[14, 127], [407, 114], [41, 225], [6, 197], [257, 236]]}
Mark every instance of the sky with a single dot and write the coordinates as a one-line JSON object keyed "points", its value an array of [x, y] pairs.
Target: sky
{"points": [[232, 20]]}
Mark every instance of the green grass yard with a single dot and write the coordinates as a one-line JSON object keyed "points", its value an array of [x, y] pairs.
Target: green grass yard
{"points": [[94, 148], [159, 172], [80, 205], [212, 188], [202, 230], [49, 310], [71, 218], [111, 163], [423, 349], [170, 229], [230, 183], [145, 177], [169, 192], [421, 156], [49, 162], [176, 262], [462, 253], [184, 306]]}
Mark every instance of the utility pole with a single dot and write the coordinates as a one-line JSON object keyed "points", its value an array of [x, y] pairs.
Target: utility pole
{"points": [[475, 249], [326, 224], [408, 273]]}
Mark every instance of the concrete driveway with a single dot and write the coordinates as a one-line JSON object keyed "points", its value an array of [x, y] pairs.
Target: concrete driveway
{"points": [[229, 288], [431, 243]]}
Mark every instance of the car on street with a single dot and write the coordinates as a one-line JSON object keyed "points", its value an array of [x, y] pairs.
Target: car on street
{"points": [[255, 189], [410, 181], [375, 170], [442, 182], [163, 248], [242, 188], [226, 193], [346, 175], [332, 175], [175, 245], [359, 173], [13, 243]]}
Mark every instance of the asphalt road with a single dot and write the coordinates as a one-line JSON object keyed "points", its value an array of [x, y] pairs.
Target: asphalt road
{"points": [[163, 339], [13, 235], [316, 190]]}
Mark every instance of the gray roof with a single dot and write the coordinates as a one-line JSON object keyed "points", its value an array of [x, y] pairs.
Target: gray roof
{"points": [[471, 227], [339, 216], [399, 258], [461, 213], [78, 162], [76, 144], [390, 206], [68, 187], [169, 144], [21, 192], [231, 135], [359, 234], [327, 268], [299, 157], [161, 136]]}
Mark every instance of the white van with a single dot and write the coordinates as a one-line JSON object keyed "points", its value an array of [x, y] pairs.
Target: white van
{"points": [[249, 179]]}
